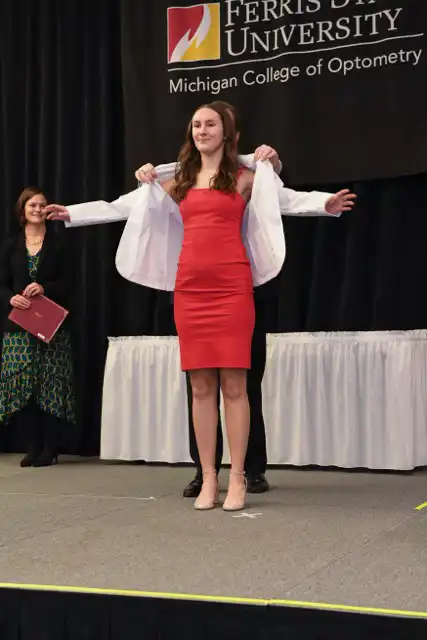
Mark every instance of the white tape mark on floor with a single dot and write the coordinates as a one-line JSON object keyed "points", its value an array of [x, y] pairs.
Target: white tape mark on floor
{"points": [[71, 495]]}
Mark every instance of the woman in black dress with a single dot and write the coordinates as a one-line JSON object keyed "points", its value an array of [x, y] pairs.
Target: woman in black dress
{"points": [[35, 379]]}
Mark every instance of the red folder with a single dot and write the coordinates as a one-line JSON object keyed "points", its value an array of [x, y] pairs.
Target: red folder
{"points": [[42, 319]]}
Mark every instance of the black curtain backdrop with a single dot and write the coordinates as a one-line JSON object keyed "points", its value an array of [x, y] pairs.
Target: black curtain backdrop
{"points": [[62, 127]]}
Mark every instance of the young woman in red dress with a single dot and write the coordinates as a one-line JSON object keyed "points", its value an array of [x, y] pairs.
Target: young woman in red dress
{"points": [[213, 300], [214, 306]]}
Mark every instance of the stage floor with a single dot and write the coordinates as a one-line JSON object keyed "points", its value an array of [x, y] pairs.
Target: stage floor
{"points": [[341, 538]]}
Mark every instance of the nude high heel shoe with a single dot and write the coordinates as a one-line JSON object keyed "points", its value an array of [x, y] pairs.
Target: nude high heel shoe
{"points": [[208, 496], [235, 500]]}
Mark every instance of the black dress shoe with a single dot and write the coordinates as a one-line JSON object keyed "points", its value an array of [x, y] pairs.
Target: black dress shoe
{"points": [[46, 459], [257, 483], [193, 489]]}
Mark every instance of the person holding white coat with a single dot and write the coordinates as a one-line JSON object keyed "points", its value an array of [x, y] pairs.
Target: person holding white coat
{"points": [[291, 203]]}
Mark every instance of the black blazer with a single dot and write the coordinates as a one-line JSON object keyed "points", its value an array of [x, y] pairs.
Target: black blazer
{"points": [[54, 272]]}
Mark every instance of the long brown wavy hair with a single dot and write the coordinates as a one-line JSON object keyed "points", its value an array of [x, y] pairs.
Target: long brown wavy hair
{"points": [[189, 160]]}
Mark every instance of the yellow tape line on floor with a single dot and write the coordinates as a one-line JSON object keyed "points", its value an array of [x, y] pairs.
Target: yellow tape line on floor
{"points": [[219, 599], [421, 506]]}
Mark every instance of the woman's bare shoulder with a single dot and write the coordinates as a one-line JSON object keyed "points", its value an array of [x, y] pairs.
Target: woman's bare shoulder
{"points": [[245, 182], [168, 185], [247, 174]]}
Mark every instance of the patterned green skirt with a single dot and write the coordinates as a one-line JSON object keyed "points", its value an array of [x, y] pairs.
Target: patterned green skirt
{"points": [[30, 368]]}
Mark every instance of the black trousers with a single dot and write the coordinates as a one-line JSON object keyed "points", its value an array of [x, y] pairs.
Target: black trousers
{"points": [[256, 456]]}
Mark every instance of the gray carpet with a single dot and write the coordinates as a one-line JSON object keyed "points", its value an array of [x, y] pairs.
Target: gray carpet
{"points": [[320, 536]]}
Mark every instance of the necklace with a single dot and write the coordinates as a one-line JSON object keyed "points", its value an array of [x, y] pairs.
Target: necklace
{"points": [[34, 243]]}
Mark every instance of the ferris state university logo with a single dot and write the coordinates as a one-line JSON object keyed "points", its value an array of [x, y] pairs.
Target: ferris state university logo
{"points": [[194, 33]]}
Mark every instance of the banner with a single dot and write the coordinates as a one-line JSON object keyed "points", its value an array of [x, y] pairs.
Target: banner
{"points": [[338, 87]]}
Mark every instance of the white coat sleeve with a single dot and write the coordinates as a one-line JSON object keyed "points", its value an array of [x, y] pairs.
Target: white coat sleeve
{"points": [[303, 203], [101, 212]]}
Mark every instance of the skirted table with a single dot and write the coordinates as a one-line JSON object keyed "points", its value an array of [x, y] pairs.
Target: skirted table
{"points": [[346, 399]]}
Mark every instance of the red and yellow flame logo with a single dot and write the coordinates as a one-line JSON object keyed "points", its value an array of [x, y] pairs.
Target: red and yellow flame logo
{"points": [[194, 33]]}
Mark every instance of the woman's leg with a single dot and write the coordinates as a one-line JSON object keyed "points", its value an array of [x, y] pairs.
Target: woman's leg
{"points": [[237, 418], [51, 426], [33, 433], [204, 386]]}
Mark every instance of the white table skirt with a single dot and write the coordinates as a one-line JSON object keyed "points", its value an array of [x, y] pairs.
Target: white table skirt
{"points": [[353, 399]]}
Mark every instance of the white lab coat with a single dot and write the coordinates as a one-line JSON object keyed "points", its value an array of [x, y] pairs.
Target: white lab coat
{"points": [[151, 242]]}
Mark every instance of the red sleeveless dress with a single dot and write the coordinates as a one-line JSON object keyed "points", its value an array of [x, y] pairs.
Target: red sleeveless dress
{"points": [[213, 301]]}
